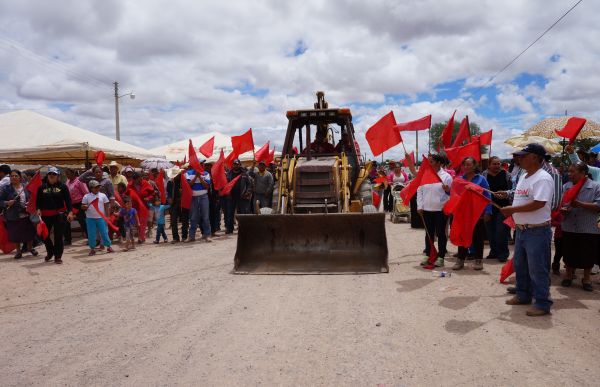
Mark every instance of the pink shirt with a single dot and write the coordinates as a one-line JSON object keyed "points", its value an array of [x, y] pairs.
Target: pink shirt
{"points": [[77, 190]]}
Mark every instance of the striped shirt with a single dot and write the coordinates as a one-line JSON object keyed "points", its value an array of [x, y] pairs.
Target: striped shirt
{"points": [[581, 220]]}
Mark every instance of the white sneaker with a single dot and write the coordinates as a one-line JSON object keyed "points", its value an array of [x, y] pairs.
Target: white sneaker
{"points": [[595, 269]]}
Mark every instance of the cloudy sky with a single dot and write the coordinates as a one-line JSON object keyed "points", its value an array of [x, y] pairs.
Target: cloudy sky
{"points": [[198, 66]]}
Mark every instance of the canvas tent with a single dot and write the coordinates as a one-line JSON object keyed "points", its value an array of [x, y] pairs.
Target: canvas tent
{"points": [[31, 138], [178, 150]]}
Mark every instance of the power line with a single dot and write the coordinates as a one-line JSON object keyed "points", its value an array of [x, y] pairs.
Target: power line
{"points": [[476, 92]]}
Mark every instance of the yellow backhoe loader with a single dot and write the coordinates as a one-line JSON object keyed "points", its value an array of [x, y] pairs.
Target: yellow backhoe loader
{"points": [[322, 220]]}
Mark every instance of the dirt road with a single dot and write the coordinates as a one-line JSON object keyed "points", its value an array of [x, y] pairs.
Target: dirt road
{"points": [[167, 315]]}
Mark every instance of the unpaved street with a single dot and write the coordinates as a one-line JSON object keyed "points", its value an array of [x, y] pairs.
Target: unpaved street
{"points": [[167, 315]]}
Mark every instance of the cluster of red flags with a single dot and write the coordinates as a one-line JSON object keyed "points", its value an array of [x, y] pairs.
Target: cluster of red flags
{"points": [[425, 175], [572, 128]]}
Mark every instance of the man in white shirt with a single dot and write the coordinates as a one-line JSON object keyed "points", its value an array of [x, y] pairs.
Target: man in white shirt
{"points": [[430, 201], [531, 211]]}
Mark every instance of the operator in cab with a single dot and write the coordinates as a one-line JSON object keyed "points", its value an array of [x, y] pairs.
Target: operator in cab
{"points": [[344, 145], [320, 145]]}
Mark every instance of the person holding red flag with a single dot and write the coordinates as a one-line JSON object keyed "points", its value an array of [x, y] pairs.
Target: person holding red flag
{"points": [[93, 216], [240, 196], [430, 201], [531, 210], [199, 180], [177, 212], [142, 193], [471, 174], [580, 238]]}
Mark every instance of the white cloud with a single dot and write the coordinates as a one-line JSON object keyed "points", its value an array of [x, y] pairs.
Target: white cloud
{"points": [[181, 57]]}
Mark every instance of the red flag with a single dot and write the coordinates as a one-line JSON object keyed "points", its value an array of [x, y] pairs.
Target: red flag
{"points": [[425, 175], [458, 187], [467, 212], [160, 182], [194, 162], [271, 158], [42, 230], [413, 126], [100, 156], [456, 155], [382, 135], [263, 153], [376, 199], [381, 179], [6, 246], [485, 138], [405, 159], [208, 147], [229, 186], [94, 204], [433, 253], [230, 158], [510, 222], [217, 173], [34, 184], [572, 128], [570, 195], [186, 192], [446, 138], [118, 198], [244, 143], [137, 203], [507, 269], [463, 133]]}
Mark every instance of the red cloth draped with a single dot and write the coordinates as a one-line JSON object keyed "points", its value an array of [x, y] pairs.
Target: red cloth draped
{"points": [[137, 203], [94, 204], [467, 212]]}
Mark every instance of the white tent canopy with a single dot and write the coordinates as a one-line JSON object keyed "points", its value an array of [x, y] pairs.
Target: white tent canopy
{"points": [[178, 150], [31, 138]]}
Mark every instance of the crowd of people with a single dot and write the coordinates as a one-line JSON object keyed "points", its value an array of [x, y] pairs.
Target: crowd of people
{"points": [[114, 204], [529, 190]]}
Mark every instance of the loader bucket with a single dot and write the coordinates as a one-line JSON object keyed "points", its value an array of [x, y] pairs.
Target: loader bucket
{"points": [[347, 243]]}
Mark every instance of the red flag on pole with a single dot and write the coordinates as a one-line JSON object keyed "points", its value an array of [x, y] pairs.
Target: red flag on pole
{"points": [[413, 126], [230, 158], [572, 128], [42, 230], [208, 147], [458, 187], [446, 138], [383, 135], [263, 153], [138, 203], [193, 157], [217, 172], [510, 222], [100, 156], [229, 186], [464, 133], [425, 175], [160, 182], [34, 184], [569, 196], [186, 192], [118, 198], [244, 143], [376, 199], [467, 212], [271, 158], [405, 159], [485, 138], [456, 155], [507, 269]]}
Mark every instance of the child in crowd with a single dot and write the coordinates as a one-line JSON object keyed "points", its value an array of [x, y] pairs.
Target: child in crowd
{"points": [[94, 220], [130, 223], [159, 214]]}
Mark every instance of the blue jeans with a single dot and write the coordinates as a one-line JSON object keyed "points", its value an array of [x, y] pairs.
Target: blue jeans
{"points": [[199, 212], [498, 234], [532, 265], [160, 231], [99, 224]]}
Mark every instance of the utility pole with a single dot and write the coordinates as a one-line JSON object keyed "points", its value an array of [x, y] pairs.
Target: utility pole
{"points": [[117, 129]]}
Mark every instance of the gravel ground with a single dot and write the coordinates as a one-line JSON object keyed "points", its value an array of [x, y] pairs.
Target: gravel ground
{"points": [[175, 315]]}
